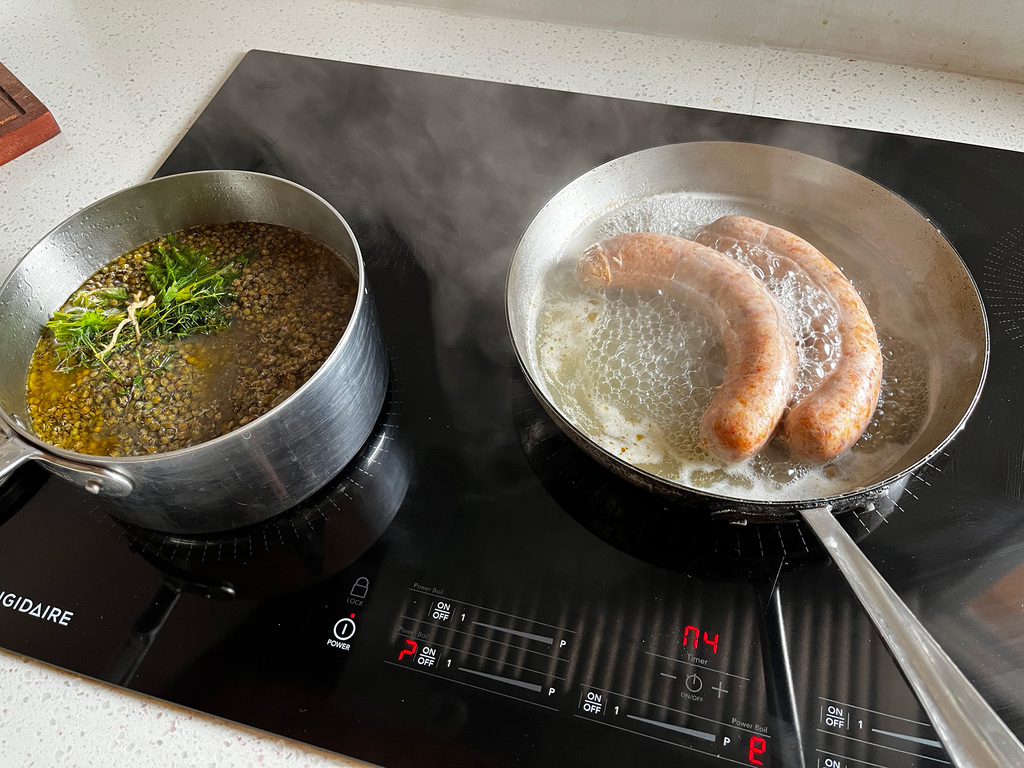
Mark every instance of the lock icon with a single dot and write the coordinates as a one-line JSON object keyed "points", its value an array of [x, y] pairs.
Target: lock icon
{"points": [[361, 587]]}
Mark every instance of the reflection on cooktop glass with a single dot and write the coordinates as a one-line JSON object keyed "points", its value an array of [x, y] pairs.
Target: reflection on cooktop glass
{"points": [[476, 588]]}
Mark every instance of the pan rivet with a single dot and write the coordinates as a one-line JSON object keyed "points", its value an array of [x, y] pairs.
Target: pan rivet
{"points": [[94, 486]]}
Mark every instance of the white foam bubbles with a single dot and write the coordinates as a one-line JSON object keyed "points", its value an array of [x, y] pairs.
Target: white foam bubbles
{"points": [[636, 372]]}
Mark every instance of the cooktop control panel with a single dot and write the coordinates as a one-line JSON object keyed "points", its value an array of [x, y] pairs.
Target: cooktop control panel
{"points": [[675, 687]]}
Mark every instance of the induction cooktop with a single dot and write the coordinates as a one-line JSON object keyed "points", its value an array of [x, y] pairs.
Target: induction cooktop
{"points": [[473, 590]]}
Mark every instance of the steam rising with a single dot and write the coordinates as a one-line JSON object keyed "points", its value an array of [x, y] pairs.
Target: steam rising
{"points": [[457, 169]]}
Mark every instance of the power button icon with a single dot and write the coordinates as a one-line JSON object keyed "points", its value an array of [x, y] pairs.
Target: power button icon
{"points": [[345, 628]]}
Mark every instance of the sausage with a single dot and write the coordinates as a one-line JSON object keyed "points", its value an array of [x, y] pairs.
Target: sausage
{"points": [[760, 349], [832, 417]]}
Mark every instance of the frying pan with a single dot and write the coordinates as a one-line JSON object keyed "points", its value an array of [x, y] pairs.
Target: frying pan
{"points": [[923, 301]]}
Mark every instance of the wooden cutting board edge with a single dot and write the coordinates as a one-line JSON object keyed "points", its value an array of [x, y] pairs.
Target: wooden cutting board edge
{"points": [[25, 122]]}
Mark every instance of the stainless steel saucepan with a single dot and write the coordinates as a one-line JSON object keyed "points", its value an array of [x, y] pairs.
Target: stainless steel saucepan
{"points": [[917, 289], [249, 474]]}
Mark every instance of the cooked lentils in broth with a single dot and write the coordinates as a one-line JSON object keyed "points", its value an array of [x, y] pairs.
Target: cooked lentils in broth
{"points": [[294, 300]]}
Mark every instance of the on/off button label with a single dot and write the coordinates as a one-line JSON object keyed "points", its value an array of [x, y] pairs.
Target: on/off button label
{"points": [[593, 702], [831, 761], [835, 717]]}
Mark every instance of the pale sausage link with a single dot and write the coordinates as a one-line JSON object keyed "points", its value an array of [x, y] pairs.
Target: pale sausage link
{"points": [[833, 416], [759, 347]]}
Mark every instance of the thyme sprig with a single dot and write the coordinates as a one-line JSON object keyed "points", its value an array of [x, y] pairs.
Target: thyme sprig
{"points": [[190, 295]]}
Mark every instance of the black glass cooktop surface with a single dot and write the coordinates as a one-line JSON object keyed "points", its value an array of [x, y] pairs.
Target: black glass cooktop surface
{"points": [[466, 592]]}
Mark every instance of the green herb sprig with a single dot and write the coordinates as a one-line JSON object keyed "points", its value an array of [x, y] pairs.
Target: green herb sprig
{"points": [[189, 296]]}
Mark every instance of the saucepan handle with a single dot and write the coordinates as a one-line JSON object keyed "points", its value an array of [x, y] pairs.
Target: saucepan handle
{"points": [[99, 480], [13, 453], [968, 727]]}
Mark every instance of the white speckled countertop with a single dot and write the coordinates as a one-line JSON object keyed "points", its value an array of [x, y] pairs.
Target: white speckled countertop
{"points": [[125, 82]]}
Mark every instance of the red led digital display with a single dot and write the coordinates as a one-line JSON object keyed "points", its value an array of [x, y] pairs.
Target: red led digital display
{"points": [[692, 633], [409, 650], [757, 747]]}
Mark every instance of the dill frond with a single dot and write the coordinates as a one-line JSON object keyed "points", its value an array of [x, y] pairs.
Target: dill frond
{"points": [[190, 296]]}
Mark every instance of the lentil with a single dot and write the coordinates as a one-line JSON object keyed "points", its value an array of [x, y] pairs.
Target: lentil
{"points": [[294, 300]]}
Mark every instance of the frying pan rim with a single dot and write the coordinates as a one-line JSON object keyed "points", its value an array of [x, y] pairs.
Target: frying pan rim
{"points": [[774, 507]]}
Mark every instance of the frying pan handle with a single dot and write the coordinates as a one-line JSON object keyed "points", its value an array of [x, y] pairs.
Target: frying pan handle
{"points": [[14, 452], [968, 727]]}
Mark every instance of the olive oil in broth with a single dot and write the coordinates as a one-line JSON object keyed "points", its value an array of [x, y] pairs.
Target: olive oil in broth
{"points": [[285, 300]]}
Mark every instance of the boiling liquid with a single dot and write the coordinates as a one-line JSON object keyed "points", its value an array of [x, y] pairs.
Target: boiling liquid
{"points": [[635, 372]]}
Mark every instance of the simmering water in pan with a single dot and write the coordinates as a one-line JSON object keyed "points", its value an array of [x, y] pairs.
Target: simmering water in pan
{"points": [[636, 372]]}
